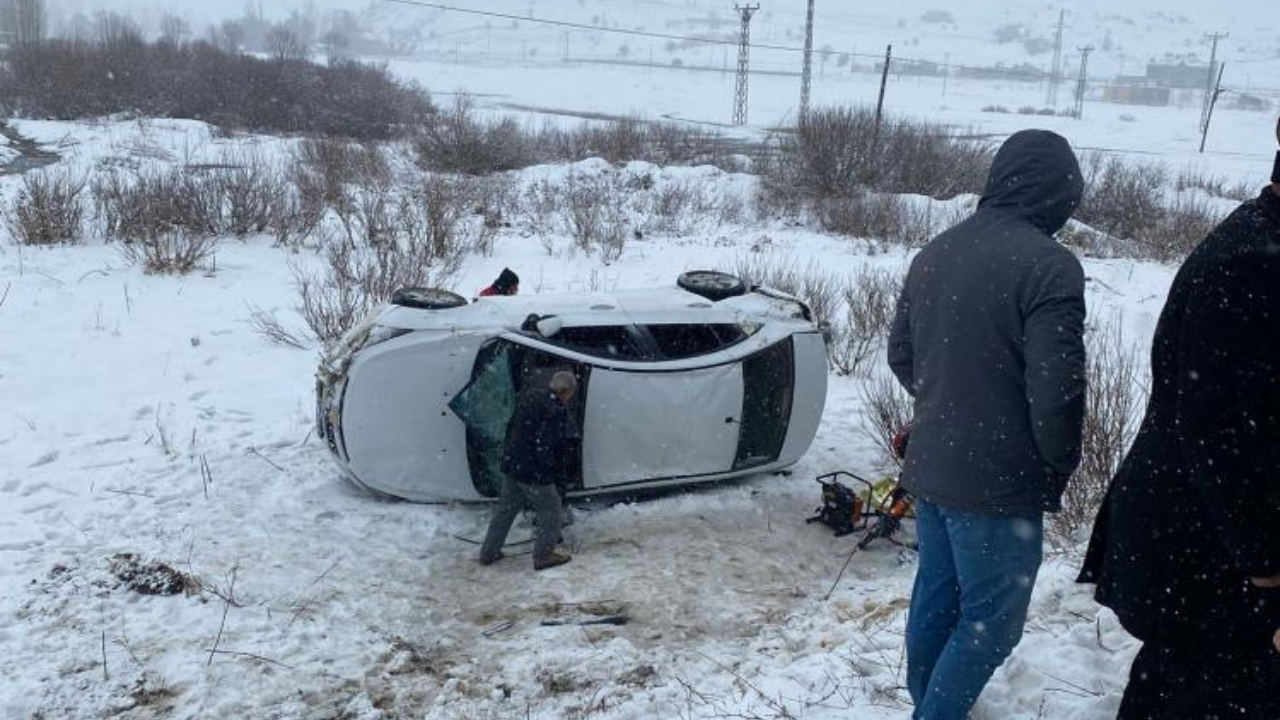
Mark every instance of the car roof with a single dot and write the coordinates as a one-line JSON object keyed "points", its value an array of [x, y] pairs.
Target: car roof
{"points": [[626, 307]]}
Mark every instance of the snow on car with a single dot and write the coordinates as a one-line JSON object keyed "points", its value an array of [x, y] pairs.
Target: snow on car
{"points": [[700, 382]]}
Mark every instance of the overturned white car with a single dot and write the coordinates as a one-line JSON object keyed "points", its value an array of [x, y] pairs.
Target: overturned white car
{"points": [[704, 381]]}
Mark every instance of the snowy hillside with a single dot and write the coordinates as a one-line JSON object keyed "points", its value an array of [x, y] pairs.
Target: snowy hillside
{"points": [[147, 417]]}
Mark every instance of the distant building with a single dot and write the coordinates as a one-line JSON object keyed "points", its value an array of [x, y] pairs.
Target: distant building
{"points": [[1128, 94], [1251, 103], [1180, 73]]}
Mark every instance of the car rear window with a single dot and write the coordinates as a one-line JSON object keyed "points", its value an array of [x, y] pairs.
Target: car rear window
{"points": [[677, 342]]}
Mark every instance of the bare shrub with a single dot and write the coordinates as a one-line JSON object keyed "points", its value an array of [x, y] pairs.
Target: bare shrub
{"points": [[1116, 393], [430, 229], [268, 326], [860, 331], [595, 214], [47, 209], [352, 280], [837, 152], [1179, 228], [458, 141], [886, 409], [249, 187], [174, 251], [154, 203], [64, 79], [351, 180], [1217, 186], [891, 218], [292, 221], [820, 290], [1122, 198], [539, 211]]}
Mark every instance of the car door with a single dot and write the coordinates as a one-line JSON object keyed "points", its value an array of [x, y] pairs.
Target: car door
{"points": [[649, 425]]}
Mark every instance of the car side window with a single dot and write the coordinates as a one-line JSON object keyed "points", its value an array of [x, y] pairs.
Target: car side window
{"points": [[615, 342], [677, 342]]}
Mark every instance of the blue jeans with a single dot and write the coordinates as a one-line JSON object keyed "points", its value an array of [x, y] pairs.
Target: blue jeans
{"points": [[969, 604]]}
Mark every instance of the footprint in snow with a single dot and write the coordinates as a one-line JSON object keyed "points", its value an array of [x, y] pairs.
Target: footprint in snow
{"points": [[45, 459]]}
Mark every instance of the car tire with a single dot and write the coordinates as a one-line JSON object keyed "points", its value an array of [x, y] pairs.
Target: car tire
{"points": [[427, 298], [711, 284]]}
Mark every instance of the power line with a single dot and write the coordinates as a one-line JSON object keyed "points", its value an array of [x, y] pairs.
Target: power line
{"points": [[586, 27]]}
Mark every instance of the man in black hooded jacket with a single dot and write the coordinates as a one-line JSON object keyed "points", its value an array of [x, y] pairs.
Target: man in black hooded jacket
{"points": [[988, 338], [1186, 548]]}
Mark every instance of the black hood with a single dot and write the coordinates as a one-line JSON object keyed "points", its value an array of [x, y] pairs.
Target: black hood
{"points": [[1036, 176]]}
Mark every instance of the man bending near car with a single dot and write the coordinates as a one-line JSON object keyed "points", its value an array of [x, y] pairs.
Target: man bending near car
{"points": [[538, 448]]}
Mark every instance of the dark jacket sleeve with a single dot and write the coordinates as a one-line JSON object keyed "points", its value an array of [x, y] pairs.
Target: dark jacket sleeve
{"points": [[901, 350], [1228, 405], [1053, 333]]}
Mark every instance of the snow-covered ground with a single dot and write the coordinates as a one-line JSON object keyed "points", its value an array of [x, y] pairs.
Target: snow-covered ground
{"points": [[323, 602]]}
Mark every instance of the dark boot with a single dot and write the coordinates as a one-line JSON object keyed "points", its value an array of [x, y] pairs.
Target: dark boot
{"points": [[550, 560]]}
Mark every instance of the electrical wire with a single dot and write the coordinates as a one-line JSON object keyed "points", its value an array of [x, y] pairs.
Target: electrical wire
{"points": [[587, 27]]}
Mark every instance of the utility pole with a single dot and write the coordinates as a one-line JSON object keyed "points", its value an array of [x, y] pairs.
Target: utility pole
{"points": [[946, 73], [1213, 102], [806, 75], [884, 82], [1055, 75], [1208, 88], [744, 63], [1084, 78]]}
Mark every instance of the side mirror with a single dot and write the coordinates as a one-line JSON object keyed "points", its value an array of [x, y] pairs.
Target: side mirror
{"points": [[549, 326]]}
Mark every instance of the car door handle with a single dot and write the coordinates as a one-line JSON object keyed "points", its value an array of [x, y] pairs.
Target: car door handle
{"points": [[729, 421]]}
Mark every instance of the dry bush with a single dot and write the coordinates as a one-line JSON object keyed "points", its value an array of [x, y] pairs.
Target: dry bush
{"points": [[292, 221], [353, 280], [1179, 228], [249, 187], [268, 326], [65, 79], [170, 252], [1115, 397], [430, 229], [351, 180], [1217, 186], [886, 409], [877, 216], [47, 209], [626, 139], [154, 204], [838, 152], [859, 333], [539, 209], [448, 214], [1121, 198], [820, 290], [595, 214], [458, 141]]}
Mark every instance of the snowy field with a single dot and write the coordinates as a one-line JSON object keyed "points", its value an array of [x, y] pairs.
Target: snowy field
{"points": [[326, 603], [144, 415]]}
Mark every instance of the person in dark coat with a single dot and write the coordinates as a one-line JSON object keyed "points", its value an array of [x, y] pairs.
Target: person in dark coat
{"points": [[508, 283], [989, 339], [538, 447], [1186, 547]]}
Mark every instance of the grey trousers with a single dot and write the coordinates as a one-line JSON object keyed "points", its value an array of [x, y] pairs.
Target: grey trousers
{"points": [[515, 497]]}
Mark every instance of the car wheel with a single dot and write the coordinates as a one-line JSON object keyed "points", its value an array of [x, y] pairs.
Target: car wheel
{"points": [[711, 284], [427, 298]]}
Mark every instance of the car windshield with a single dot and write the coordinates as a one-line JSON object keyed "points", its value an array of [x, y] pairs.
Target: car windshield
{"points": [[677, 342], [615, 342]]}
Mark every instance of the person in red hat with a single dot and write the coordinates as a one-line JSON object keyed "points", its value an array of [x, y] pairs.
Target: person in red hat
{"points": [[508, 283]]}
